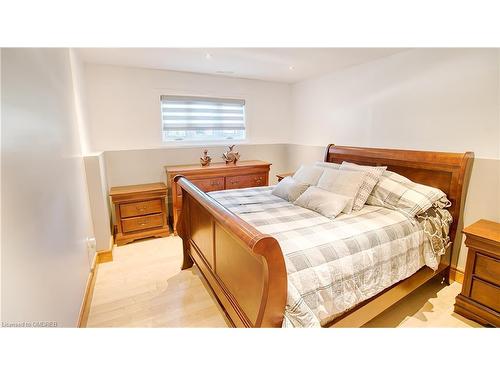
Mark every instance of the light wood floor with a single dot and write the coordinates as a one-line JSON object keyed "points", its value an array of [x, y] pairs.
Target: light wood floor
{"points": [[144, 287]]}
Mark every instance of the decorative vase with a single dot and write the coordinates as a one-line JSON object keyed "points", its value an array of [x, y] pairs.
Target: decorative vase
{"points": [[231, 156], [206, 159]]}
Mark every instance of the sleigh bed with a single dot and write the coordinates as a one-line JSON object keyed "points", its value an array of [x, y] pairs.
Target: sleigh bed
{"points": [[246, 268]]}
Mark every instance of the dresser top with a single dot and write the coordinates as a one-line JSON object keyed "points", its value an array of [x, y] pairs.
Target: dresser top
{"points": [[215, 166], [133, 189], [486, 229]]}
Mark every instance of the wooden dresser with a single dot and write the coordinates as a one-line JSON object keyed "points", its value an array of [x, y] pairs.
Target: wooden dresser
{"points": [[140, 212], [480, 296], [216, 176]]}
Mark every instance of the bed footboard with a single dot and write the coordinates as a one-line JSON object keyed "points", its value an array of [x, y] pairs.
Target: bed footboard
{"points": [[244, 268]]}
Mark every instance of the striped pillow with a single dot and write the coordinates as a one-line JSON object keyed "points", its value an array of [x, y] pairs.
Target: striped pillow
{"points": [[372, 175], [399, 193]]}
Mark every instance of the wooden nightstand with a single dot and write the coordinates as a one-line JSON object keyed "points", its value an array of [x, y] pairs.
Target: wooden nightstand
{"points": [[480, 296], [140, 212]]}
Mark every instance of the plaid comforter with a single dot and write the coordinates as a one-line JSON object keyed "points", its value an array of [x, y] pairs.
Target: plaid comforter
{"points": [[333, 265]]}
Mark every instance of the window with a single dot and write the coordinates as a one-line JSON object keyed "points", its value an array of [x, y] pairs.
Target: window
{"points": [[187, 118]]}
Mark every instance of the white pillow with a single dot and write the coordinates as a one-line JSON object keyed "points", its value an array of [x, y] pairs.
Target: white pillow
{"points": [[324, 202], [308, 174], [346, 183], [289, 189], [371, 178], [324, 164]]}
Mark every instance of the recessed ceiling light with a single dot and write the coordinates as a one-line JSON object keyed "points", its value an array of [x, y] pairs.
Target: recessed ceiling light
{"points": [[224, 72], [208, 56], [291, 67]]}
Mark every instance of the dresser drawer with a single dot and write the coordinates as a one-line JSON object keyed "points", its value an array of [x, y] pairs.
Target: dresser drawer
{"points": [[245, 181], [140, 208], [486, 294], [142, 222], [487, 268], [209, 184]]}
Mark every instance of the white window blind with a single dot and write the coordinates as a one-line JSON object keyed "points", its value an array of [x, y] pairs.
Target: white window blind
{"points": [[199, 118]]}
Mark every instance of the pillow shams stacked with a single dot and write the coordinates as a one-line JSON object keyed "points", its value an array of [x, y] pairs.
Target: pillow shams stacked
{"points": [[371, 178], [398, 192], [346, 183]]}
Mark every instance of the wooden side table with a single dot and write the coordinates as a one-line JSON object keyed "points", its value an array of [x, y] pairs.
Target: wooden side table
{"points": [[140, 212], [480, 296]]}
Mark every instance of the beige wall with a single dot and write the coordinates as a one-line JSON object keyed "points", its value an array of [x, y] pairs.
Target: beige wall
{"points": [[45, 209]]}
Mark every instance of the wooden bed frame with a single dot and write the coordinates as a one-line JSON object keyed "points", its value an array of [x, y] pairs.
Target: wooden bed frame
{"points": [[246, 269]]}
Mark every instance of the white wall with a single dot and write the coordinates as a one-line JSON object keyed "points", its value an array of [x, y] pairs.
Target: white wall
{"points": [[435, 99], [124, 105], [424, 99], [45, 209], [95, 171]]}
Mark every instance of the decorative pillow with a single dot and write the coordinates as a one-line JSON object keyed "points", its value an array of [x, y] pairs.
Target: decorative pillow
{"points": [[371, 178], [289, 189], [324, 164], [323, 202], [346, 183], [308, 174], [399, 193]]}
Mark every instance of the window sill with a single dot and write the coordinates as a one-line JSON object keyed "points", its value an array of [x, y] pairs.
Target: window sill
{"points": [[192, 144]]}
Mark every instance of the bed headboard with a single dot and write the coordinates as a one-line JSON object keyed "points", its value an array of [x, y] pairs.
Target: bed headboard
{"points": [[449, 172]]}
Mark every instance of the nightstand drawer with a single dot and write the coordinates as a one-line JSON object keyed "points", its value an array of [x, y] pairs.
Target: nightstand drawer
{"points": [[245, 181], [487, 268], [209, 184], [140, 208], [142, 222], [486, 294]]}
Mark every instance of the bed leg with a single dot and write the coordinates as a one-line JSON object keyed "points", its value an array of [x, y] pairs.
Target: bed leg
{"points": [[187, 262], [446, 276]]}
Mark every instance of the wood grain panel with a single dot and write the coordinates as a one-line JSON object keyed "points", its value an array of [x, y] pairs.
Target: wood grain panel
{"points": [[142, 222], [201, 225], [209, 184], [140, 208], [242, 273], [246, 181], [486, 294], [487, 268]]}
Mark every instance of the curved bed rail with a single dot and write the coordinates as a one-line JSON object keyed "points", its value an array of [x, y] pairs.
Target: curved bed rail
{"points": [[245, 268]]}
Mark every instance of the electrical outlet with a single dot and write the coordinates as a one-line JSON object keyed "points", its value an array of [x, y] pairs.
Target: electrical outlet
{"points": [[91, 243]]}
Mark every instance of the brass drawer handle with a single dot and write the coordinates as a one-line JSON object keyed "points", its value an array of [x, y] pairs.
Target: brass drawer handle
{"points": [[234, 182], [214, 183]]}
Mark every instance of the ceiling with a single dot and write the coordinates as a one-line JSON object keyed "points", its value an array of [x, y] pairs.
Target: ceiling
{"points": [[271, 64]]}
